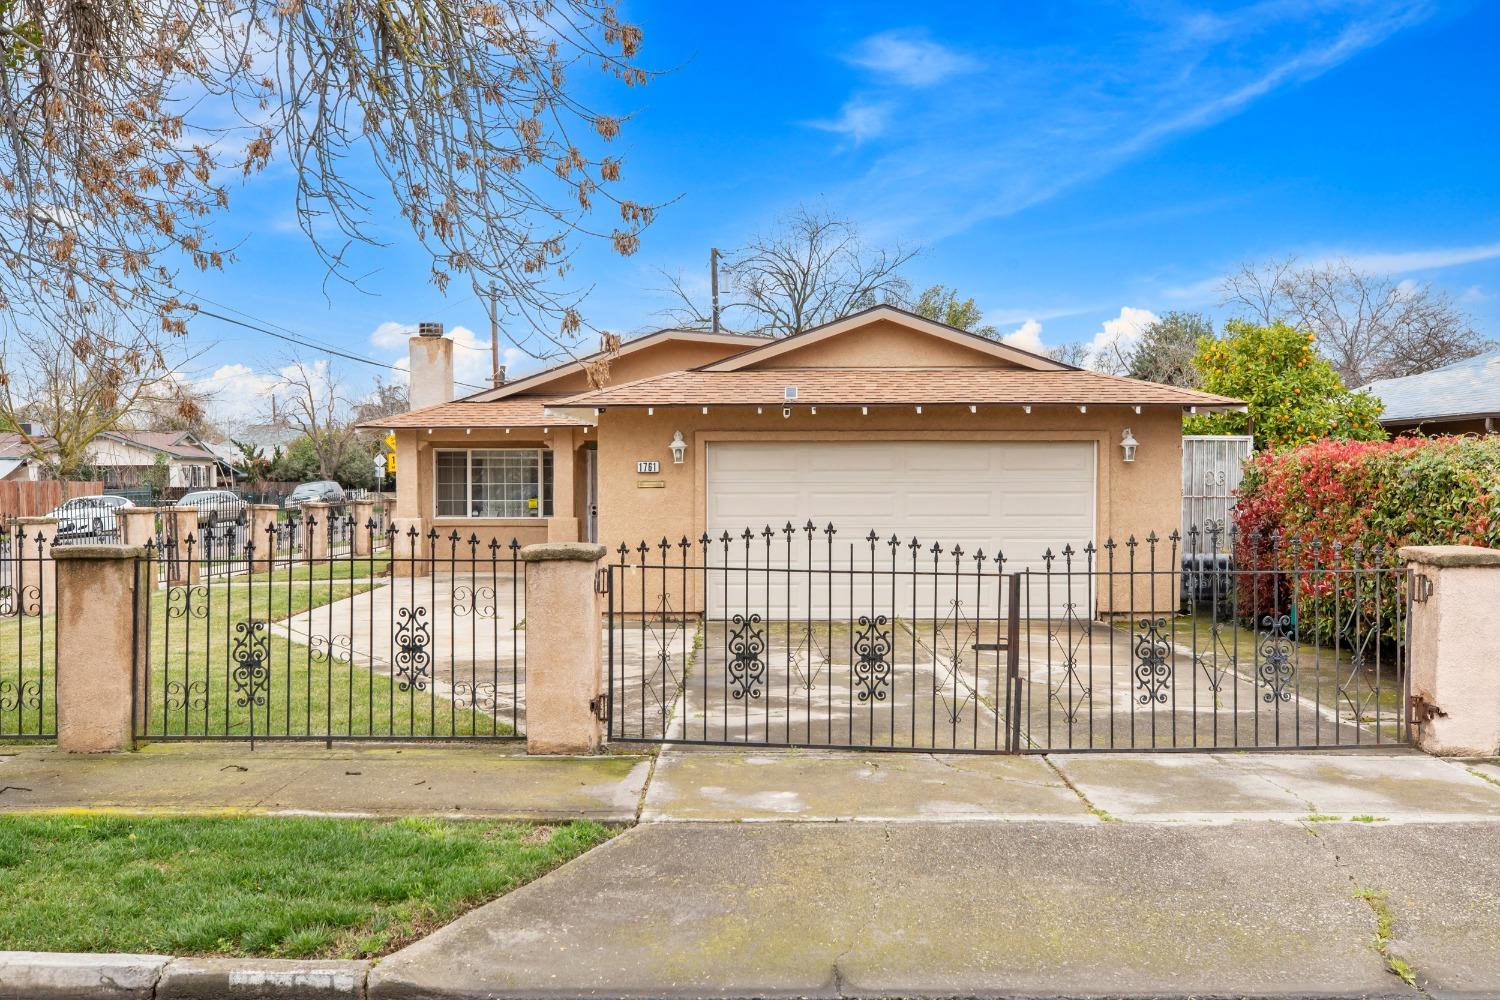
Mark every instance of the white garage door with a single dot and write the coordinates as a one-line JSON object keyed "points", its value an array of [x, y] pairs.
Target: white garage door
{"points": [[1021, 498]]}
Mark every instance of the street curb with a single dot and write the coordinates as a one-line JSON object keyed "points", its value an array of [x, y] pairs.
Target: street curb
{"points": [[42, 975]]}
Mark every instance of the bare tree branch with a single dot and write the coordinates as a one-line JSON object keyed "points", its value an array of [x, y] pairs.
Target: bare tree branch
{"points": [[1369, 326], [811, 269]]}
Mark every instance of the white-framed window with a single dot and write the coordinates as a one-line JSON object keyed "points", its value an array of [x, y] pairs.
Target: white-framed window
{"points": [[195, 474], [493, 482]]}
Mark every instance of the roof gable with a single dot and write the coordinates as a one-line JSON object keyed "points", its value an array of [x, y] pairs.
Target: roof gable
{"points": [[884, 337], [653, 354]]}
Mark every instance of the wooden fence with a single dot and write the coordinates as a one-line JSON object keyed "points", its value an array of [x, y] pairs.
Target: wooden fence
{"points": [[33, 499]]}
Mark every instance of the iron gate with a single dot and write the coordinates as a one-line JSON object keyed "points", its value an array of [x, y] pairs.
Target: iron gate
{"points": [[330, 630], [796, 637]]}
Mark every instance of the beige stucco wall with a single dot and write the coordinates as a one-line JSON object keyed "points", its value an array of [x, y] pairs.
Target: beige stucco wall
{"points": [[415, 486], [883, 344], [1133, 499]]}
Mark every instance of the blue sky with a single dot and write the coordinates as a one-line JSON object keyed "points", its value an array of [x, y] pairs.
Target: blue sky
{"points": [[1070, 166]]}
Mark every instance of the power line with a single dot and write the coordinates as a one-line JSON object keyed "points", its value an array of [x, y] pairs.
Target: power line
{"points": [[302, 341]]}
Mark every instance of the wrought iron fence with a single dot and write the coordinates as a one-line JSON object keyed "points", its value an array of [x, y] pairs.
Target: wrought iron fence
{"points": [[796, 637], [309, 641], [28, 638]]}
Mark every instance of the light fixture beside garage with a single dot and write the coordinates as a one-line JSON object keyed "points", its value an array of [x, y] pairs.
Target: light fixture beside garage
{"points": [[679, 448], [1128, 444]]}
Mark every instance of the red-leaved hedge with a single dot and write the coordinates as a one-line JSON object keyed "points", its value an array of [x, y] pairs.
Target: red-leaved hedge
{"points": [[1333, 506]]}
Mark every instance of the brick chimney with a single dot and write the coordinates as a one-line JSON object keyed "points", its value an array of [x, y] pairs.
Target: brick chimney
{"points": [[431, 356]]}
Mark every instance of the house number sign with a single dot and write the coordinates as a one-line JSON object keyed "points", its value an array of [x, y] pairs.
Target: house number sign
{"points": [[647, 467]]}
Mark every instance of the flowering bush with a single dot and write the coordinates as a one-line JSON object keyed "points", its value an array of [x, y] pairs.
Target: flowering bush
{"points": [[1352, 504]]}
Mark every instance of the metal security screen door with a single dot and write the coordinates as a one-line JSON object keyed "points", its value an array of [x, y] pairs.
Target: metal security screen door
{"points": [[814, 638]]}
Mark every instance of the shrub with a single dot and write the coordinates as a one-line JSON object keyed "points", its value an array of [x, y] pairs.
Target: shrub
{"points": [[1294, 394], [1353, 504]]}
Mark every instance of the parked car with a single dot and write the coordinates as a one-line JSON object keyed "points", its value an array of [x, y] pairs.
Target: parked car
{"points": [[215, 507], [320, 491], [87, 518]]}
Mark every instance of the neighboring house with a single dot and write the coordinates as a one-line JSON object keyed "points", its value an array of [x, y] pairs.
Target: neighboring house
{"points": [[882, 421], [124, 457], [1461, 398], [17, 463]]}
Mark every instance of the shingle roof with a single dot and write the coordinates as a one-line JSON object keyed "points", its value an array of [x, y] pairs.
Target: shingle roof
{"points": [[519, 411], [898, 386], [175, 443], [1468, 388]]}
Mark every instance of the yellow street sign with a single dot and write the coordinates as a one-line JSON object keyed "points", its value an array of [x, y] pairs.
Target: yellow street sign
{"points": [[390, 440], [390, 463]]}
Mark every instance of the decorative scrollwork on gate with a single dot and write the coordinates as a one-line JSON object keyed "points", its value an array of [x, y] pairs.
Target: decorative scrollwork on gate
{"points": [[1069, 634], [334, 648], [746, 668], [1278, 658], [482, 695], [192, 695], [250, 670], [1153, 663], [478, 601], [8, 600], [23, 695], [872, 651], [413, 661], [187, 602]]}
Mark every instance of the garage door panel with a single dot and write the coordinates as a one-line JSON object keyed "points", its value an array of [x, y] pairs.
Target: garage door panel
{"points": [[1022, 498]]}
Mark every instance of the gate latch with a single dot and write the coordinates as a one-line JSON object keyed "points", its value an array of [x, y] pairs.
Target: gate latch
{"points": [[1423, 710], [1421, 588], [601, 581], [599, 705]]}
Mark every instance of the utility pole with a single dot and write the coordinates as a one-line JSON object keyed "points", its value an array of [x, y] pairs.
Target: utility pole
{"points": [[496, 379], [713, 278]]}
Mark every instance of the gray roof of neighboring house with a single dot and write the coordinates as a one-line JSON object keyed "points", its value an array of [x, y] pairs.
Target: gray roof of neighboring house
{"points": [[178, 444], [12, 445], [1469, 388]]}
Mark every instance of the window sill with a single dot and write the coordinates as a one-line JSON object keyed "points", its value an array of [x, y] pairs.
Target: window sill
{"points": [[506, 522]]}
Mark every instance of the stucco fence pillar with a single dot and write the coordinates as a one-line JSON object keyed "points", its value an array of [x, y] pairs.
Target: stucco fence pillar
{"points": [[180, 546], [102, 602], [564, 648], [260, 520], [362, 512], [1453, 645], [31, 578], [315, 517]]}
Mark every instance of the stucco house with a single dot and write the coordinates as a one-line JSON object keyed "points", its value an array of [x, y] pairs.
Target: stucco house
{"points": [[125, 456], [881, 421]]}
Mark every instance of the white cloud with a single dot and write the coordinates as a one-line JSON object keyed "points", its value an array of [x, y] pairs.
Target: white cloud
{"points": [[1420, 260], [238, 393], [860, 120], [910, 58], [1473, 294], [1118, 336], [1028, 337]]}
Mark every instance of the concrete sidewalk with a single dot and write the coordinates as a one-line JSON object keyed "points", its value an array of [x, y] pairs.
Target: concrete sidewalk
{"points": [[1400, 786], [479, 780], [985, 909]]}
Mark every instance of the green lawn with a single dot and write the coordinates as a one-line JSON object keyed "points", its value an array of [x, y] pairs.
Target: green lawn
{"points": [[264, 886]]}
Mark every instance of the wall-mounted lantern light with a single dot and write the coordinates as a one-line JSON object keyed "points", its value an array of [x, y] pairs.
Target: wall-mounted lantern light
{"points": [[1128, 445], [679, 448]]}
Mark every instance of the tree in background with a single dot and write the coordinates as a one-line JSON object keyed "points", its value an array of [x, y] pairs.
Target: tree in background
{"points": [[312, 400], [1167, 348], [159, 476], [121, 123], [1294, 394], [941, 303], [1367, 325], [811, 268], [253, 463], [73, 383], [302, 461]]}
